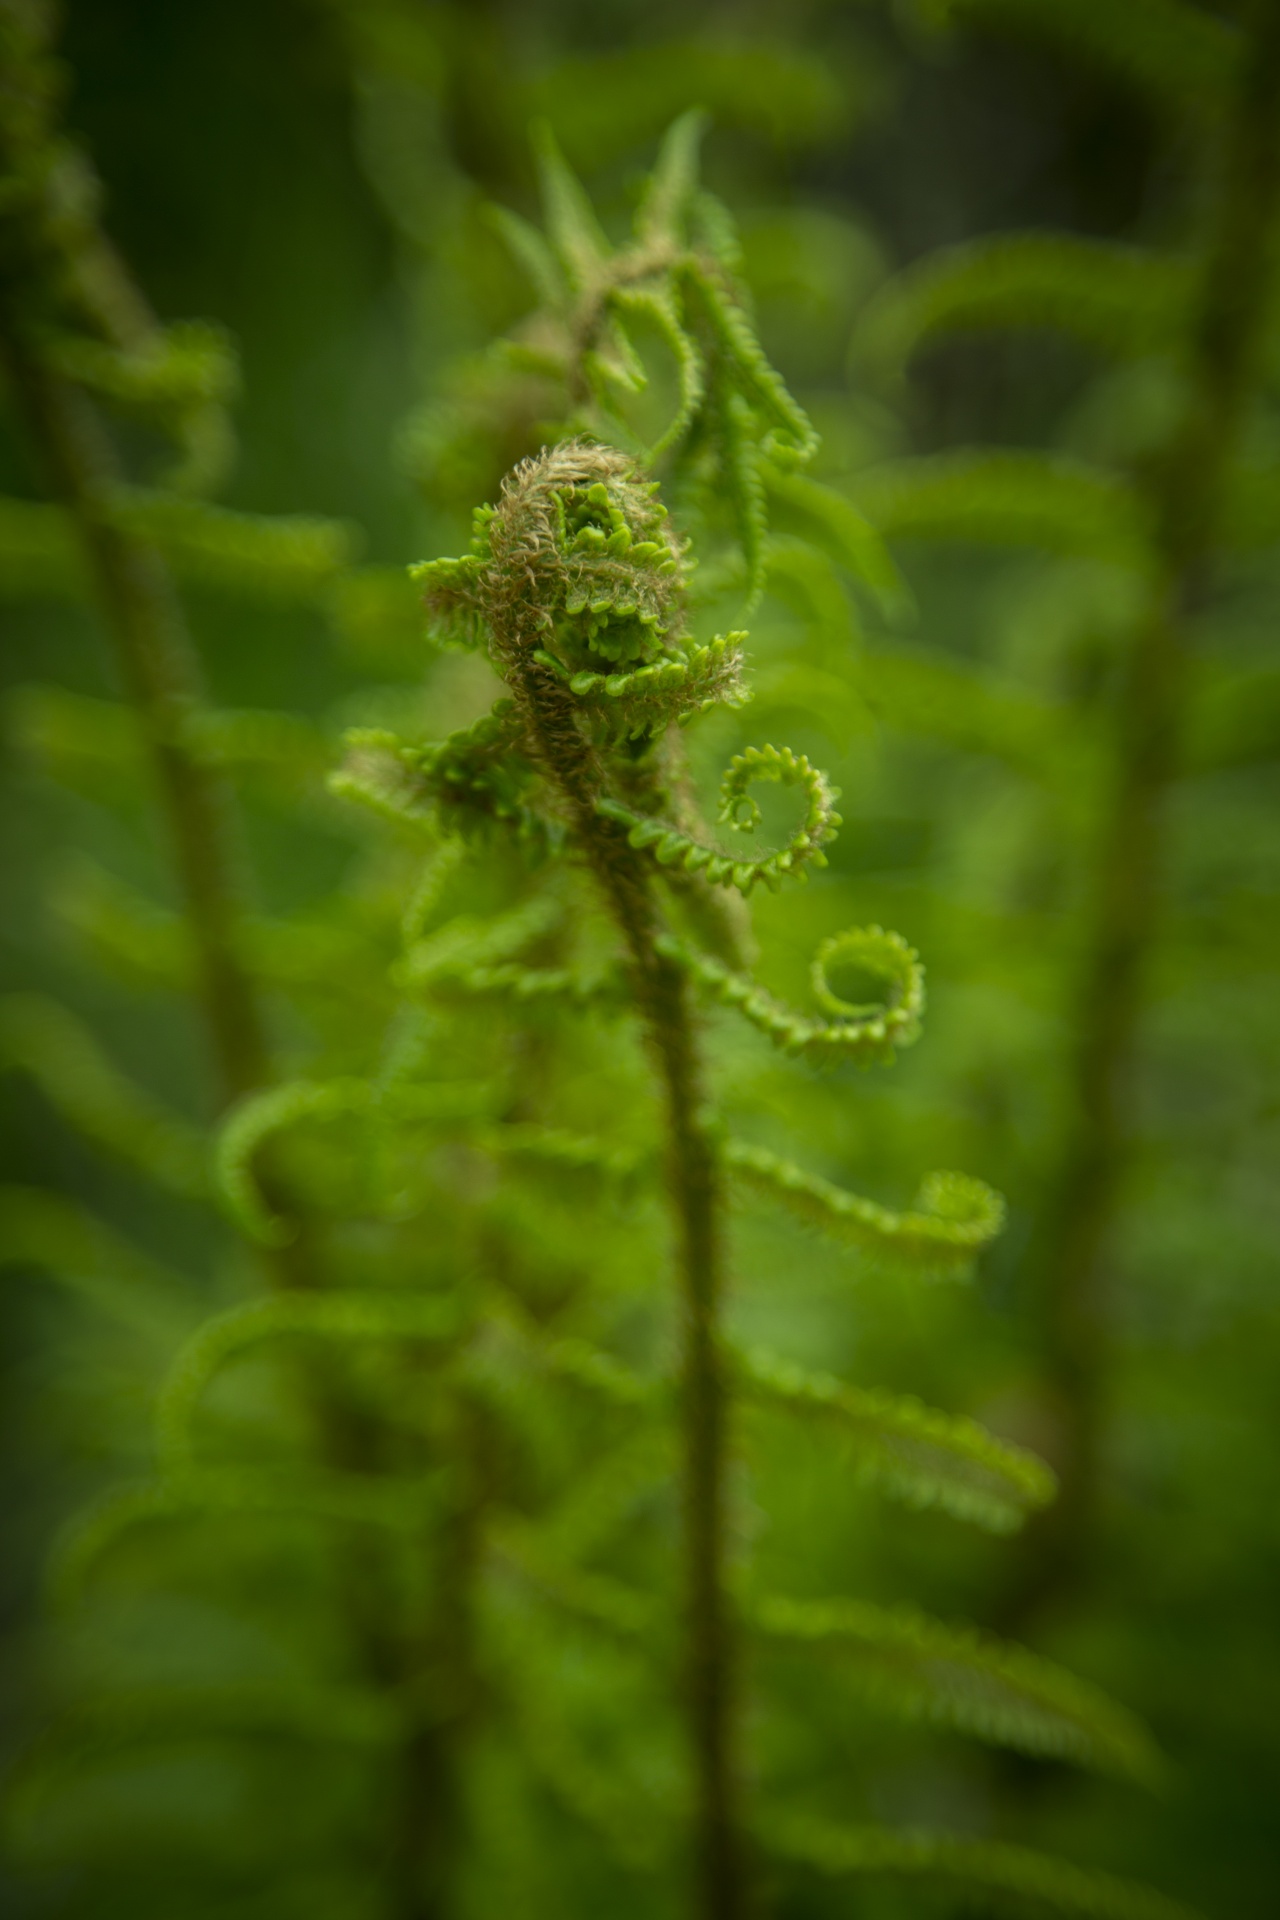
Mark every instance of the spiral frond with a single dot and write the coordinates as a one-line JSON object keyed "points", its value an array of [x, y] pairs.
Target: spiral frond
{"points": [[581, 539], [673, 848], [913, 1452], [685, 681], [956, 1216], [923, 1669], [869, 1036]]}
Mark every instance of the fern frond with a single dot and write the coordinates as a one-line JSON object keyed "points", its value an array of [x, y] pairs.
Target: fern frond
{"points": [[47, 1231], [344, 1317], [71, 734], [62, 1057], [1121, 299], [604, 1496], [468, 943], [129, 933], [578, 241], [870, 1035], [253, 555], [258, 1119], [630, 1823], [402, 1506], [604, 989], [921, 1456], [956, 1218], [922, 691], [658, 306], [274, 558], [380, 773], [790, 440], [985, 1870], [235, 1709], [1007, 499], [670, 846], [807, 578], [467, 783], [686, 680], [188, 363], [923, 1669], [592, 1597], [554, 1147], [664, 206], [531, 254], [837, 526]]}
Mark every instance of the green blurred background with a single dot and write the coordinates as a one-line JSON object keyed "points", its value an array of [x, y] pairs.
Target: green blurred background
{"points": [[313, 176]]}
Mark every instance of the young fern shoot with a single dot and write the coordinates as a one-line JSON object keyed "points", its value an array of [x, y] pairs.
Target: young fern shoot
{"points": [[575, 584]]}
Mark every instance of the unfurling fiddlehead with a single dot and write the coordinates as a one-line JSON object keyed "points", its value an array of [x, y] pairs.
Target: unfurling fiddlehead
{"points": [[575, 587]]}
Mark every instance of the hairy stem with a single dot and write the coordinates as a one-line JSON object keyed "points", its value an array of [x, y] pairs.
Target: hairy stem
{"points": [[1185, 494], [694, 1184]]}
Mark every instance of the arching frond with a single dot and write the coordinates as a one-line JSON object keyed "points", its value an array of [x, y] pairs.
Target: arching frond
{"points": [[343, 1317], [46, 1230], [1119, 299], [915, 1453], [258, 1119], [330, 1497], [1007, 499], [922, 1669], [60, 1054], [988, 1871], [955, 1219]]}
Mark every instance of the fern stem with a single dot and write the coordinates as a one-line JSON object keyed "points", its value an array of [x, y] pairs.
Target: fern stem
{"points": [[1185, 494], [157, 665], [664, 997]]}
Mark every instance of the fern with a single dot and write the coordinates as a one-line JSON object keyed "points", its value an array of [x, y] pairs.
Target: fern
{"points": [[915, 1453], [494, 1425], [990, 1872], [912, 1665]]}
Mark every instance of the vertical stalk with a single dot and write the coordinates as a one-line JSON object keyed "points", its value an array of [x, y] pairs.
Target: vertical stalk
{"points": [[694, 1186], [1185, 498], [157, 664]]}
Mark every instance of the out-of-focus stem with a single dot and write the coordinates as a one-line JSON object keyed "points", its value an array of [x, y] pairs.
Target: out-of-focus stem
{"points": [[1185, 495], [158, 667]]}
